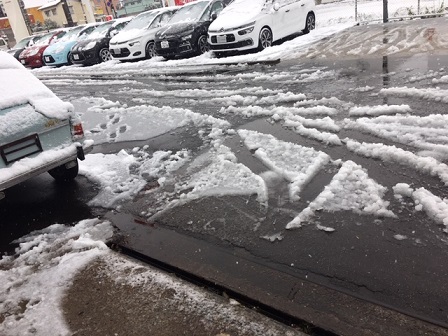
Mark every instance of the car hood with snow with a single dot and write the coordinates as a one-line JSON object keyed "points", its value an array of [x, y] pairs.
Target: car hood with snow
{"points": [[177, 29], [239, 13]]}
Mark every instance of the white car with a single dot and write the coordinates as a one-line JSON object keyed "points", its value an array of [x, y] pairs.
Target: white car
{"points": [[136, 40], [256, 24]]}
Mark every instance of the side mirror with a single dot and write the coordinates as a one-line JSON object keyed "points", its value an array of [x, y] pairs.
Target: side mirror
{"points": [[276, 6], [214, 16]]}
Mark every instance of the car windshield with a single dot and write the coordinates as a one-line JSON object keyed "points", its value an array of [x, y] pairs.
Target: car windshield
{"points": [[71, 35], [189, 12], [141, 21], [22, 43], [45, 39], [100, 31]]}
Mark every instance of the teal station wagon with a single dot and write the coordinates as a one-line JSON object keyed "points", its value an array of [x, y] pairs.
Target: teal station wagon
{"points": [[38, 131]]}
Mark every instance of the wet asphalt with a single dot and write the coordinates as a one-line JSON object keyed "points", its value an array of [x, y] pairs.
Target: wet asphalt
{"points": [[361, 258]]}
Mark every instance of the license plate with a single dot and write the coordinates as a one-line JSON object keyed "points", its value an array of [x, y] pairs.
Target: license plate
{"points": [[164, 44], [47, 59], [117, 51], [221, 38], [22, 61], [76, 57]]}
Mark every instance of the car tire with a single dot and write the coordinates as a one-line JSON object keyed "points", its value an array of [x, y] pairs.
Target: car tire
{"points": [[104, 55], [202, 45], [150, 49], [310, 23], [265, 38], [62, 174], [69, 58]]}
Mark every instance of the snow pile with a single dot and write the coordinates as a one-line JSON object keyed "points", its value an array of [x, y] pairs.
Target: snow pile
{"points": [[422, 132], [434, 206], [294, 163], [427, 165], [379, 110], [18, 86], [325, 137], [351, 189], [443, 79], [219, 174], [121, 176], [431, 94], [33, 282], [324, 123]]}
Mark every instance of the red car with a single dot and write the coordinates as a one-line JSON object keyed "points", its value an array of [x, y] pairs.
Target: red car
{"points": [[32, 56]]}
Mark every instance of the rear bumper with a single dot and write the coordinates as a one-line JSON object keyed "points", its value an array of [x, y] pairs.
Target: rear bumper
{"points": [[32, 166]]}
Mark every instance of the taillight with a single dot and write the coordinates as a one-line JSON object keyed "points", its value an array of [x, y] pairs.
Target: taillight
{"points": [[77, 131]]}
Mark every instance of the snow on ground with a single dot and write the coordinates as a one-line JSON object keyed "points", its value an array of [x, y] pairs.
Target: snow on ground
{"points": [[107, 121], [379, 110], [431, 94], [434, 206], [296, 164], [33, 282], [351, 189]]}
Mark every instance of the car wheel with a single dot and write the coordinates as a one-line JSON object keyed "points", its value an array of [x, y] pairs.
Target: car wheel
{"points": [[104, 55], [265, 39], [69, 59], [310, 23], [202, 45], [63, 174], [150, 50]]}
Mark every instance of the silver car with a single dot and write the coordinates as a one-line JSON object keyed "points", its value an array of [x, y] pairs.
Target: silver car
{"points": [[38, 131]]}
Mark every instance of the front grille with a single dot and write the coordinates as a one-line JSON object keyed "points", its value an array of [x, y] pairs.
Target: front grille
{"points": [[124, 52], [21, 148], [236, 45], [229, 38]]}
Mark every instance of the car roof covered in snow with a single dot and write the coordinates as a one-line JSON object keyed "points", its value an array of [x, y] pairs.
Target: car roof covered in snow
{"points": [[19, 86]]}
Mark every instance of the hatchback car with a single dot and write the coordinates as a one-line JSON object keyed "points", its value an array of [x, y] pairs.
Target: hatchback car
{"points": [[136, 40], [256, 24], [22, 44], [32, 56], [58, 53], [95, 47], [186, 33], [38, 131]]}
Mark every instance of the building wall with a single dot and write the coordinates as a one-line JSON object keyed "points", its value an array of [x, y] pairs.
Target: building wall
{"points": [[36, 13], [78, 13], [56, 14]]}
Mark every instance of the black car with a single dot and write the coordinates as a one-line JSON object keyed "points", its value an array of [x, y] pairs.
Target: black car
{"points": [[95, 48], [186, 32], [22, 44]]}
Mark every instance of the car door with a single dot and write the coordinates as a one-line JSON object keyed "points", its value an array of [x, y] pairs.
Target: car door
{"points": [[292, 17], [280, 19]]}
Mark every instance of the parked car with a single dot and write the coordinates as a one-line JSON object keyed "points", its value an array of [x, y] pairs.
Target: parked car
{"points": [[32, 56], [59, 52], [136, 40], [95, 47], [256, 24], [186, 32], [38, 131], [3, 44], [22, 44]]}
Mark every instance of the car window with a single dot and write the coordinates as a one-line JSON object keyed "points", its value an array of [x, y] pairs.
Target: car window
{"points": [[23, 43], [165, 17], [141, 21], [217, 8], [86, 32], [120, 26], [155, 23], [44, 40], [100, 31], [2, 42], [189, 13]]}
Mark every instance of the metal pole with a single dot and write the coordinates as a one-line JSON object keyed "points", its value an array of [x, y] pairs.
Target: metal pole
{"points": [[385, 12], [356, 10]]}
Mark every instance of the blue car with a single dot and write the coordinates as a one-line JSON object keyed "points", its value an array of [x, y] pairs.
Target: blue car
{"points": [[58, 53]]}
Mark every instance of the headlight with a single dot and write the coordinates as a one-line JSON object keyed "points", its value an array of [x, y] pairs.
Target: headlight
{"points": [[33, 52], [134, 43], [246, 31], [186, 38], [89, 46]]}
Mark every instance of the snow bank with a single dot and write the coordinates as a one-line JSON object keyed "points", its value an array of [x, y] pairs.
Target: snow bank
{"points": [[351, 189], [295, 163], [433, 94], [379, 110], [33, 282]]}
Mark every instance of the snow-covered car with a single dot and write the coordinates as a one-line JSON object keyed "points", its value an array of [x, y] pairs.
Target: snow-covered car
{"points": [[256, 24], [32, 55], [38, 131], [136, 40], [59, 52], [186, 33], [22, 44], [3, 44]]}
